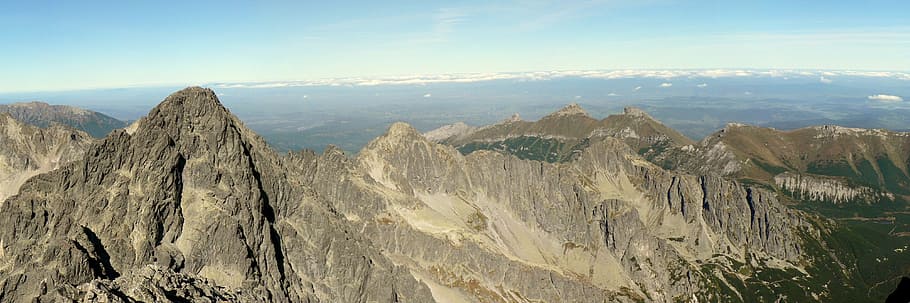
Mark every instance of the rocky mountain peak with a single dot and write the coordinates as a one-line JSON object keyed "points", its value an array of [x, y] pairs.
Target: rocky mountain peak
{"points": [[402, 130], [195, 193], [188, 103], [572, 109], [196, 117], [636, 112]]}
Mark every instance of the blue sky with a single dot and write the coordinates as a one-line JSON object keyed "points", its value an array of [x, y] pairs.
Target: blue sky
{"points": [[60, 45]]}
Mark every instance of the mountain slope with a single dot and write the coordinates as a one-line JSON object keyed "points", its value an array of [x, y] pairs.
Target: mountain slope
{"points": [[816, 163], [27, 150], [43, 115], [193, 191], [559, 136], [607, 225]]}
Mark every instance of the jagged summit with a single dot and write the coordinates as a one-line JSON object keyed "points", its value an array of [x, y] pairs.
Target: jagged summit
{"points": [[188, 102], [195, 112], [635, 112], [402, 129], [572, 109], [399, 133]]}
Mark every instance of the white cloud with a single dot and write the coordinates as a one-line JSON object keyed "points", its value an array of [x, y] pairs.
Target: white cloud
{"points": [[577, 97], [703, 85], [666, 75], [747, 93], [886, 98], [612, 94], [666, 84], [427, 95], [637, 88]]}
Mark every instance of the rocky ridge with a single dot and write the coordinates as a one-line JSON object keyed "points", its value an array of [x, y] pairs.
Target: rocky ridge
{"points": [[561, 135], [583, 226], [854, 158], [44, 115]]}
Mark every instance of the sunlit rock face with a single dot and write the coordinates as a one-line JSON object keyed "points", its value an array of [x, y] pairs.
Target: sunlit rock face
{"points": [[189, 204]]}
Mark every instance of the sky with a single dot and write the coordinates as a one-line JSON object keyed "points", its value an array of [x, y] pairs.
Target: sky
{"points": [[66, 45]]}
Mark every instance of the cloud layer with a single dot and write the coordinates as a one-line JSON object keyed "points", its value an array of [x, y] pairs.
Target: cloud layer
{"points": [[823, 76], [886, 98]]}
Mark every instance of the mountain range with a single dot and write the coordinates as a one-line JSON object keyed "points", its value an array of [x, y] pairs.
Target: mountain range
{"points": [[188, 204], [43, 115]]}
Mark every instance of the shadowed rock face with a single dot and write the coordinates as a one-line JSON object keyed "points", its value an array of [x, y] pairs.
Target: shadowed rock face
{"points": [[193, 191]]}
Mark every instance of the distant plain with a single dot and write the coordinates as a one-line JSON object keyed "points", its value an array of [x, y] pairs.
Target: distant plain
{"points": [[296, 115]]}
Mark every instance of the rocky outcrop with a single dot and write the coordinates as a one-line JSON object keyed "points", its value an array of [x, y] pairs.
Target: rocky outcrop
{"points": [[27, 150], [448, 131], [192, 191], [812, 188], [153, 284], [572, 109], [44, 115]]}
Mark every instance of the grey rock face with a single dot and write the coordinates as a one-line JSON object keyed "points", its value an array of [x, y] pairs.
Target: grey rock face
{"points": [[152, 284], [608, 226], [27, 150], [193, 191]]}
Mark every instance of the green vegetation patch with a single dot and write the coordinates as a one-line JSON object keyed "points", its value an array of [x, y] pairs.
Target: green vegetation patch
{"points": [[530, 148]]}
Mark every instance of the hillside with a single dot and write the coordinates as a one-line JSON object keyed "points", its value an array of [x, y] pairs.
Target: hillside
{"points": [[44, 115], [820, 161], [561, 135]]}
